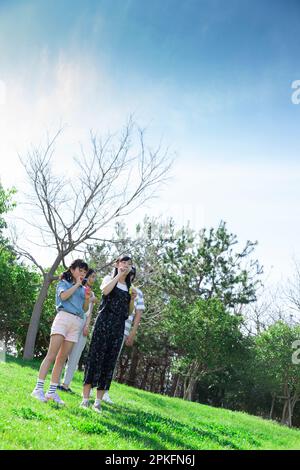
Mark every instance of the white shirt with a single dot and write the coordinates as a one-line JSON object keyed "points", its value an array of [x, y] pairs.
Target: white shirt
{"points": [[138, 305], [107, 279], [91, 306]]}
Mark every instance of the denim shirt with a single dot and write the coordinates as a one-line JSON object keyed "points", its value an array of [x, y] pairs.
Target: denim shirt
{"points": [[73, 304]]}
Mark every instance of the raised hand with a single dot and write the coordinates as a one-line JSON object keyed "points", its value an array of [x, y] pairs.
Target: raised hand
{"points": [[133, 293], [87, 292]]}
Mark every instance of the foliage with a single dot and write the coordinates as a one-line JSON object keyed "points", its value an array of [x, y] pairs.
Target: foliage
{"points": [[274, 357], [275, 369], [19, 288], [6, 205], [204, 334]]}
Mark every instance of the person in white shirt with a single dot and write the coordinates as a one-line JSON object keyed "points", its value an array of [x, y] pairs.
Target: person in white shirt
{"points": [[76, 352]]}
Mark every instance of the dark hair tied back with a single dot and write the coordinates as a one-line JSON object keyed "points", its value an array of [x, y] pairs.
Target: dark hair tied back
{"points": [[128, 279], [90, 272], [78, 263]]}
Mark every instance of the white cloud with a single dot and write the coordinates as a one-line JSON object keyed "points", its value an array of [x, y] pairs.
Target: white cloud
{"points": [[258, 201]]}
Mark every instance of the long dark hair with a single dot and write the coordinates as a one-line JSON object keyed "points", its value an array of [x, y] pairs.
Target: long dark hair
{"points": [[127, 279], [88, 274], [78, 263]]}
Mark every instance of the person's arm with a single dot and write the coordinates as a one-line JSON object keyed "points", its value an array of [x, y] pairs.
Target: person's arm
{"points": [[66, 294], [88, 320], [87, 326], [137, 318], [87, 297], [107, 287], [133, 297]]}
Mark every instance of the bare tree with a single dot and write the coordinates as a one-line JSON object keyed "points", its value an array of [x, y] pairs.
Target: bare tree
{"points": [[267, 310], [118, 175], [291, 293]]}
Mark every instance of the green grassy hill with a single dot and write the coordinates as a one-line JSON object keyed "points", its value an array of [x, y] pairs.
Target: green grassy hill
{"points": [[137, 420]]}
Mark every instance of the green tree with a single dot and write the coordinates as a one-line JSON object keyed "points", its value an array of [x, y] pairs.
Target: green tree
{"points": [[275, 368], [6, 205], [20, 285], [206, 337], [206, 265]]}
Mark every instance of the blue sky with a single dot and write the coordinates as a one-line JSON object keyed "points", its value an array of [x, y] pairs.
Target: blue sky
{"points": [[226, 66], [212, 77]]}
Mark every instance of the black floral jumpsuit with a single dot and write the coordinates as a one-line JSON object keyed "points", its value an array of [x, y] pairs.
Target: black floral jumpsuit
{"points": [[107, 339]]}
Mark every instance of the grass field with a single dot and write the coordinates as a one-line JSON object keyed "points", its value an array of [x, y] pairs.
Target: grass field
{"points": [[137, 420]]}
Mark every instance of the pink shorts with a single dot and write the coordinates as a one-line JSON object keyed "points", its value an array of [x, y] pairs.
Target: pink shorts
{"points": [[67, 325]]}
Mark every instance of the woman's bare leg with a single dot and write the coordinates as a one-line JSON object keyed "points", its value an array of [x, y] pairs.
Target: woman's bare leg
{"points": [[100, 394], [61, 358], [54, 346], [86, 391]]}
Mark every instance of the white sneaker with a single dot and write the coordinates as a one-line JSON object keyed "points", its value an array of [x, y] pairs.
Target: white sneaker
{"points": [[55, 397], [107, 398], [84, 404], [39, 395], [97, 407]]}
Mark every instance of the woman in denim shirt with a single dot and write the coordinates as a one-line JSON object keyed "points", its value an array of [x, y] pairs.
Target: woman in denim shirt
{"points": [[71, 302]]}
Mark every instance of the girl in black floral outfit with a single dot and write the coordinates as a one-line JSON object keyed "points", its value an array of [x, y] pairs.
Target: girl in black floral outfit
{"points": [[117, 303]]}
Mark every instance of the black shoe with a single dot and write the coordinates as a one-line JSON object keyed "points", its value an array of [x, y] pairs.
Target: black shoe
{"points": [[63, 389]]}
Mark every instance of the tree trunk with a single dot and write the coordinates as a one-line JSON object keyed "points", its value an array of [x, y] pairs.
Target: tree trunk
{"points": [[185, 386], [152, 382], [289, 405], [145, 378], [123, 368], [190, 381], [180, 392], [163, 380], [294, 400], [287, 413], [189, 390], [288, 409], [272, 407], [133, 367], [174, 385], [283, 416], [178, 388], [37, 310], [290, 413]]}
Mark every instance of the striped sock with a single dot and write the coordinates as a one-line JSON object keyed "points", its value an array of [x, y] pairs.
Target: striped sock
{"points": [[85, 401], [97, 401], [52, 388], [40, 384]]}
